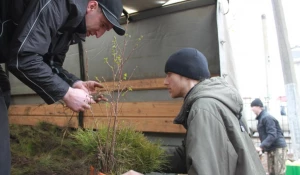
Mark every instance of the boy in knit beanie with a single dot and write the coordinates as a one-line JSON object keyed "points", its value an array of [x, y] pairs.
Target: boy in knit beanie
{"points": [[271, 137], [216, 141]]}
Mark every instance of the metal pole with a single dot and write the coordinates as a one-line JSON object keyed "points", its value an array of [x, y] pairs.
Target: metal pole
{"points": [[82, 76], [267, 59], [289, 77]]}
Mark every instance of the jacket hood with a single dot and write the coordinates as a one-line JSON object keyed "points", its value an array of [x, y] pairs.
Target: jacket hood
{"points": [[77, 11], [216, 88]]}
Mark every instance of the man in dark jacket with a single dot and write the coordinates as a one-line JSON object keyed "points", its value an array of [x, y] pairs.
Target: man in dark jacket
{"points": [[39, 34], [271, 137]]}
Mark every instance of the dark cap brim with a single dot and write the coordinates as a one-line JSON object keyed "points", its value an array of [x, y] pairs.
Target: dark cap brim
{"points": [[117, 27]]}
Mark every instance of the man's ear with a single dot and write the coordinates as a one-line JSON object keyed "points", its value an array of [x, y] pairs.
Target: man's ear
{"points": [[92, 5]]}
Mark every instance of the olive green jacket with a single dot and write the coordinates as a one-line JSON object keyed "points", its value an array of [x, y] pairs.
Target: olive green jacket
{"points": [[215, 142]]}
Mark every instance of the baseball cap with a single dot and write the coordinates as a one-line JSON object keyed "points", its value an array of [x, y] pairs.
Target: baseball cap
{"points": [[112, 10]]}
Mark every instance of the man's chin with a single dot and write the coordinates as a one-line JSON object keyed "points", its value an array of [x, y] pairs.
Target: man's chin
{"points": [[173, 96]]}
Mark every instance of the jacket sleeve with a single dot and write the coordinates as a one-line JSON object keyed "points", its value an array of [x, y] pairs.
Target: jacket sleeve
{"points": [[39, 24], [270, 128], [209, 150], [4, 82], [61, 72], [176, 160]]}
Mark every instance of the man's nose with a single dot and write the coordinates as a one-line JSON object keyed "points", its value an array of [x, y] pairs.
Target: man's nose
{"points": [[165, 81]]}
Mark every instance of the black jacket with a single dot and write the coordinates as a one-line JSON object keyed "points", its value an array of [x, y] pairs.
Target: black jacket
{"points": [[270, 133], [41, 39], [6, 26], [4, 83]]}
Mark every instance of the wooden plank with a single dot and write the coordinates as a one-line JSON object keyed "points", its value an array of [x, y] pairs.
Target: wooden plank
{"points": [[139, 109], [162, 124], [40, 110], [33, 120], [142, 84], [56, 114], [132, 109], [145, 116]]}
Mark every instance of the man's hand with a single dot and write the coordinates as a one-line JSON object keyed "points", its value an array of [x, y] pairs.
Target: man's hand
{"points": [[258, 149], [98, 97], [78, 100], [131, 172], [88, 86]]}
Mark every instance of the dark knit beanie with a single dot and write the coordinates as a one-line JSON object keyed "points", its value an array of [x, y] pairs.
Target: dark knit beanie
{"points": [[257, 102], [188, 62]]}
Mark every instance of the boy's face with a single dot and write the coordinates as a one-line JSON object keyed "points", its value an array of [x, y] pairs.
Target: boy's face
{"points": [[175, 84], [96, 22]]}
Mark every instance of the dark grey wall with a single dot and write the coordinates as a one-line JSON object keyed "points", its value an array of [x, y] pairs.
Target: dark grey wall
{"points": [[162, 36]]}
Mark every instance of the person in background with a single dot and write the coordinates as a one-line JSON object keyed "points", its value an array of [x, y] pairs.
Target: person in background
{"points": [[216, 141], [271, 137], [35, 37]]}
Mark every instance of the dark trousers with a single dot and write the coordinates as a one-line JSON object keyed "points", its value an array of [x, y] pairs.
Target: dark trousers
{"points": [[5, 157]]}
